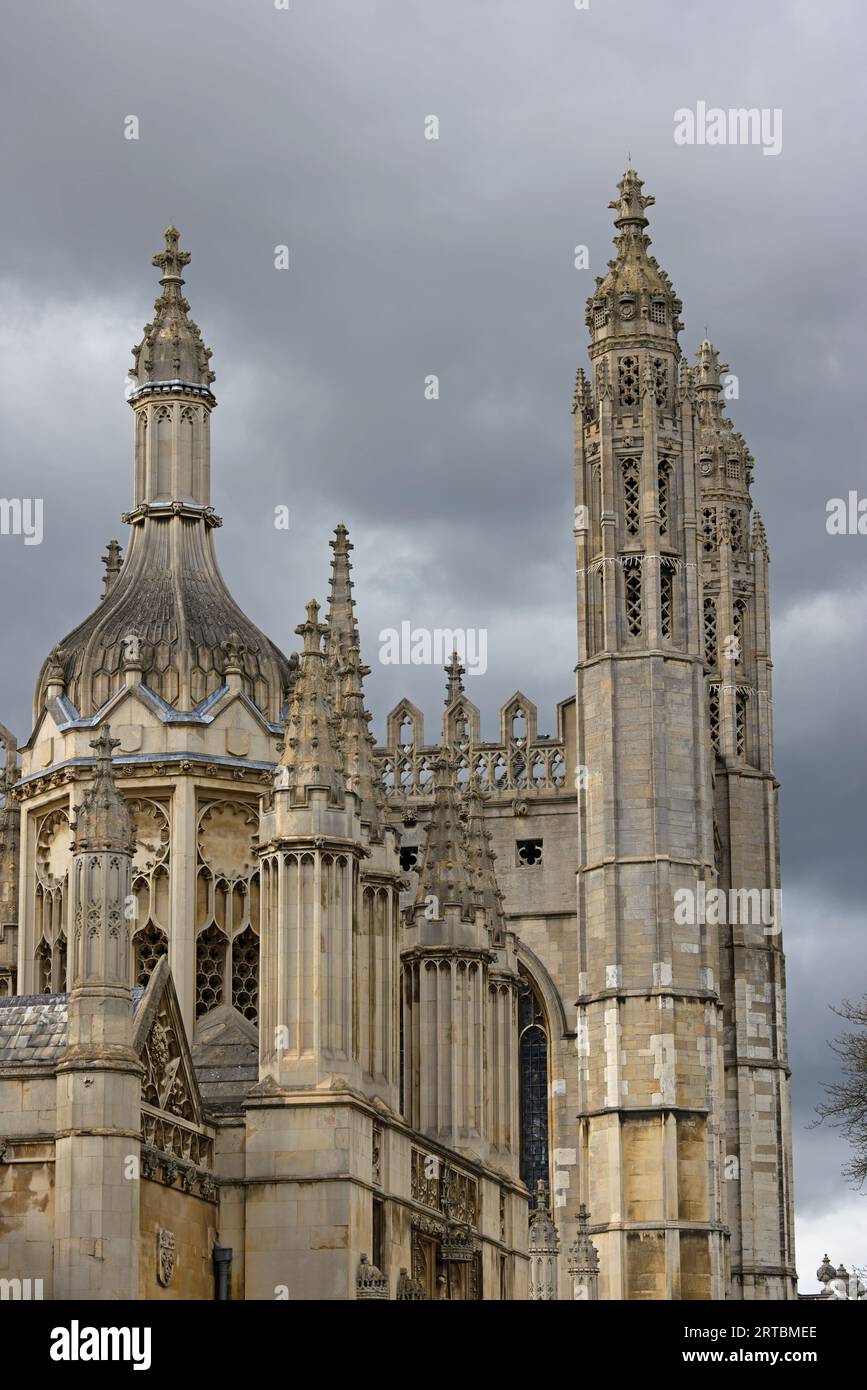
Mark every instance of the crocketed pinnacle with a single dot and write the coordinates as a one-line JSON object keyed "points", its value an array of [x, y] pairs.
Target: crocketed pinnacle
{"points": [[358, 742], [312, 753], [445, 872], [102, 821], [708, 381], [342, 628], [480, 858], [172, 348], [455, 686], [759, 538]]}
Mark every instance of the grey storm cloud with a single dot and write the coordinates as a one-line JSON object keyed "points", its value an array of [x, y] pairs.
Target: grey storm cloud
{"points": [[304, 127]]}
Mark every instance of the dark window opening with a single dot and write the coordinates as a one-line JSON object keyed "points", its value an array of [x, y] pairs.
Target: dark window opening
{"points": [[378, 1238], [408, 858], [529, 851]]}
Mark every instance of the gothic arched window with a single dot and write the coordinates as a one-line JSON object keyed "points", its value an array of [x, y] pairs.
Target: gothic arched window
{"points": [[533, 1061]]}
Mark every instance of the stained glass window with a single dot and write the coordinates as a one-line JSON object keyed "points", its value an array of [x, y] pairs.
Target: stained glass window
{"points": [[533, 1036]]}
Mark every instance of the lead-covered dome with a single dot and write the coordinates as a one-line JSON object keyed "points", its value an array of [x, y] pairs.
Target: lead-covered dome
{"points": [[167, 612]]}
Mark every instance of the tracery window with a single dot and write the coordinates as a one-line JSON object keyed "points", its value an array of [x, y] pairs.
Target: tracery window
{"points": [[633, 602], [660, 381], [738, 613], [710, 639], [631, 497], [628, 380], [528, 851], [227, 909], [666, 603], [664, 490], [150, 886], [533, 1063], [708, 528], [714, 709], [149, 946], [53, 858], [741, 723], [735, 530]]}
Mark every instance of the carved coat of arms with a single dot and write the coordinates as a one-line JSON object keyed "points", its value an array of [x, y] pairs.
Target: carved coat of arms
{"points": [[165, 1256]]}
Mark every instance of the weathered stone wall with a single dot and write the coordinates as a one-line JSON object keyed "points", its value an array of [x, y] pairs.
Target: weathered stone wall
{"points": [[193, 1222]]}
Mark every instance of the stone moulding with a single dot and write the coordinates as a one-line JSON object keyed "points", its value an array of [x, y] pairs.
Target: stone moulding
{"points": [[167, 1169]]}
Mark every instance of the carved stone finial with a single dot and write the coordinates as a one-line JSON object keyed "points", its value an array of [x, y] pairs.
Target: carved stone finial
{"points": [[312, 753], [342, 630], [102, 821], [631, 203], [358, 742], [455, 686], [171, 349], [113, 561], [445, 872]]}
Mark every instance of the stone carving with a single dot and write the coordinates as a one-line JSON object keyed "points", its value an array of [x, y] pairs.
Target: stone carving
{"points": [[584, 1260], [839, 1283], [131, 650], [370, 1282], [544, 1246], [165, 1256]]}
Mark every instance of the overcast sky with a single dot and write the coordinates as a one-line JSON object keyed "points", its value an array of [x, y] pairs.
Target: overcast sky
{"points": [[304, 127]]}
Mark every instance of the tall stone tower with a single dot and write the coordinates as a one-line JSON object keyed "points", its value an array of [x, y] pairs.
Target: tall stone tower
{"points": [[736, 624], [446, 961], [460, 987], [96, 1236], [328, 1026], [649, 1011]]}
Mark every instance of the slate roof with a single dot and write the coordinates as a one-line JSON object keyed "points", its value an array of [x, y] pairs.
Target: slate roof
{"points": [[33, 1027]]}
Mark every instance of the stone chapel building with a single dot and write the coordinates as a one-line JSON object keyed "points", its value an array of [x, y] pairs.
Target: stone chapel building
{"points": [[286, 1015]]}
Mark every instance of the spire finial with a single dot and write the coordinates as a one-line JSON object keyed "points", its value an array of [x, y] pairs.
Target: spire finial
{"points": [[312, 752], [171, 260], [632, 202], [455, 686], [710, 369], [342, 625], [172, 350], [312, 630]]}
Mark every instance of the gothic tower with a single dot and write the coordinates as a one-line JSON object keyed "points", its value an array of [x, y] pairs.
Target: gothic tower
{"points": [[446, 962], [96, 1235], [736, 623], [649, 1013], [328, 1028]]}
